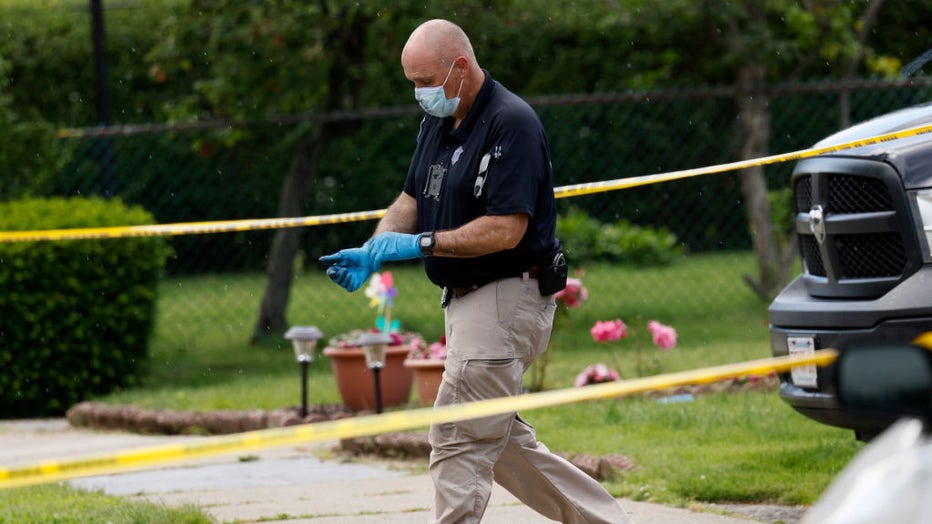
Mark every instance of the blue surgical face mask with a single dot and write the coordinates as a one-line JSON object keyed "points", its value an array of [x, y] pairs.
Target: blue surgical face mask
{"points": [[435, 102]]}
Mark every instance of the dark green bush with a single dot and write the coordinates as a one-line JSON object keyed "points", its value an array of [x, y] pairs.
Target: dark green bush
{"points": [[30, 154], [579, 234], [586, 239], [642, 246], [76, 315]]}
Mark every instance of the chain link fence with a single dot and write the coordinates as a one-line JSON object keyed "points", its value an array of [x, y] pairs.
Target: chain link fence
{"points": [[221, 171]]}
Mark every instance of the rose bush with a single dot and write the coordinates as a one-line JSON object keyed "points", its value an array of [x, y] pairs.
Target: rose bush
{"points": [[663, 336]]}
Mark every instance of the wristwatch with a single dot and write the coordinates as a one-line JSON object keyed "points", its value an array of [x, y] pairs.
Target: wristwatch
{"points": [[427, 242]]}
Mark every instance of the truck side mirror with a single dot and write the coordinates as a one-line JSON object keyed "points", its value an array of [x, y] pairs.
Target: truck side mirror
{"points": [[886, 377]]}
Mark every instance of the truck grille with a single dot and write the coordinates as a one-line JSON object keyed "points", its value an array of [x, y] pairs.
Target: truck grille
{"points": [[870, 256], [861, 254], [857, 194]]}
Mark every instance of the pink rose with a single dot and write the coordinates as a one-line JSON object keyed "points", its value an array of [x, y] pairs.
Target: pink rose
{"points": [[664, 336], [596, 374], [574, 294], [608, 330], [438, 350], [415, 344], [582, 378]]}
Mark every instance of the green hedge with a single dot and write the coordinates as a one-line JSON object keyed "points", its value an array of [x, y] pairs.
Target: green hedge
{"points": [[585, 239], [76, 315]]}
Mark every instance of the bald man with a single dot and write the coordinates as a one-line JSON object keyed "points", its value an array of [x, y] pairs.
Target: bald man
{"points": [[478, 208]]}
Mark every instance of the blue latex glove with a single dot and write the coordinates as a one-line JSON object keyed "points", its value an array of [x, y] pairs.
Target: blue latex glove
{"points": [[392, 246], [350, 268]]}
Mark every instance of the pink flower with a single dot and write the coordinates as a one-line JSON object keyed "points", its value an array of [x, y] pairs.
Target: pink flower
{"points": [[596, 374], [437, 350], [573, 295], [609, 330], [664, 336], [421, 351]]}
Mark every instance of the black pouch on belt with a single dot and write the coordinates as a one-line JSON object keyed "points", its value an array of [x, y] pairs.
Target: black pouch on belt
{"points": [[552, 274]]}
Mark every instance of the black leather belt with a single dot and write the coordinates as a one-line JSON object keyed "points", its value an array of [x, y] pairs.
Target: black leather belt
{"points": [[462, 291]]}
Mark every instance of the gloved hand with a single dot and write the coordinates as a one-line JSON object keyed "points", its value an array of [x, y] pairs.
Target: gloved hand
{"points": [[350, 268], [392, 246]]}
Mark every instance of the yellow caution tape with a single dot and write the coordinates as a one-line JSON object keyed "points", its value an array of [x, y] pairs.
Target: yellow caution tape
{"points": [[625, 183], [52, 471], [186, 228], [193, 228], [924, 340]]}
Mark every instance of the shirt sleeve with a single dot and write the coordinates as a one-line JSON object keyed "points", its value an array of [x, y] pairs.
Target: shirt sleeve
{"points": [[410, 182], [519, 163]]}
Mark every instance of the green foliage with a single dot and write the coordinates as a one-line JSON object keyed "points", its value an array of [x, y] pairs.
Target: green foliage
{"points": [[76, 314], [234, 59], [49, 47], [60, 504], [586, 239], [783, 209], [641, 246], [30, 155], [181, 61], [579, 234]]}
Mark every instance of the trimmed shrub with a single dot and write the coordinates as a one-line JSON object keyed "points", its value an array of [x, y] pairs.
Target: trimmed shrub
{"points": [[641, 246], [586, 239], [579, 234], [76, 315]]}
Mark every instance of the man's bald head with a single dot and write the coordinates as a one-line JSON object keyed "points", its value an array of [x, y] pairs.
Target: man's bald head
{"points": [[438, 53], [441, 40]]}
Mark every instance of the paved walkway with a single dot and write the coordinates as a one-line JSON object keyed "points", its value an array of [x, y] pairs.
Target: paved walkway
{"points": [[282, 484]]}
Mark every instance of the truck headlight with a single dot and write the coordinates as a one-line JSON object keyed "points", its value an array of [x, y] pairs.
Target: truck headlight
{"points": [[922, 211]]}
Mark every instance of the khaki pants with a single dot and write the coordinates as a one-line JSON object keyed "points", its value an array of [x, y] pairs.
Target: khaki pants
{"points": [[493, 335]]}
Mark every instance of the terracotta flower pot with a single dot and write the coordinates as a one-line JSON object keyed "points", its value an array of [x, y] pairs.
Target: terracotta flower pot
{"points": [[427, 375], [355, 380]]}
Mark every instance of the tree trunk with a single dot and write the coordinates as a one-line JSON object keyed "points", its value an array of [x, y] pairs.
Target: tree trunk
{"points": [[754, 125], [867, 21], [296, 187], [346, 76]]}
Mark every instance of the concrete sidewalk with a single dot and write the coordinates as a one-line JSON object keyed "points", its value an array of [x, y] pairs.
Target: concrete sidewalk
{"points": [[282, 484]]}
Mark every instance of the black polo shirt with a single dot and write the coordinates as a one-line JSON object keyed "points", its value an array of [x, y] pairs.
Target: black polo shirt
{"points": [[503, 135]]}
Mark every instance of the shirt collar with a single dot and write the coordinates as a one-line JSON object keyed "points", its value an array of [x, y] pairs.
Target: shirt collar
{"points": [[478, 107]]}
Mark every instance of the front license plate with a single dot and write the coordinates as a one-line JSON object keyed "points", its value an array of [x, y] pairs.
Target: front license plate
{"points": [[803, 376]]}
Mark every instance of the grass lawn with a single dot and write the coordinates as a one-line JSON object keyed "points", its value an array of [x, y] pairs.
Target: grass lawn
{"points": [[59, 504], [747, 447]]}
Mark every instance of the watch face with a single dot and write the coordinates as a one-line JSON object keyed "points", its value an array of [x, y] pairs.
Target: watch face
{"points": [[426, 242]]}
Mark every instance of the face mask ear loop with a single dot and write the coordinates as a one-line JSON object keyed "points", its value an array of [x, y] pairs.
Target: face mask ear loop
{"points": [[450, 72], [460, 90]]}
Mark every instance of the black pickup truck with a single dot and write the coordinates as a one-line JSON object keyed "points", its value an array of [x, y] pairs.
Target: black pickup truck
{"points": [[864, 223]]}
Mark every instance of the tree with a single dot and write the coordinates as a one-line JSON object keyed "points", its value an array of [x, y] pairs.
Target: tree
{"points": [[347, 40], [252, 56], [748, 44], [242, 60], [764, 41]]}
